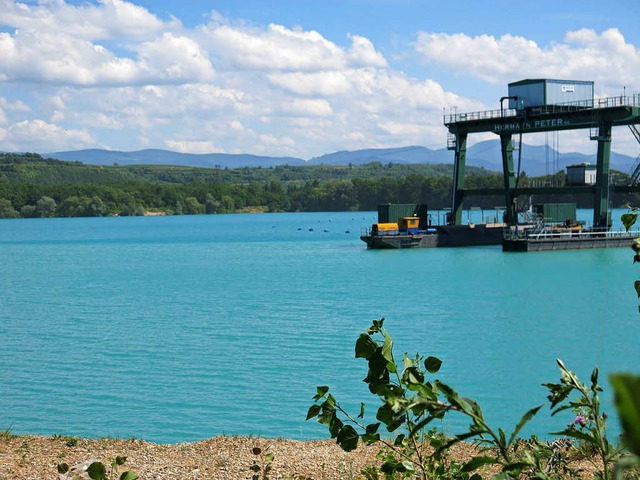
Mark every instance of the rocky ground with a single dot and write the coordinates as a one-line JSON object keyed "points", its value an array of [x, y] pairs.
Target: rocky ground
{"points": [[218, 458]]}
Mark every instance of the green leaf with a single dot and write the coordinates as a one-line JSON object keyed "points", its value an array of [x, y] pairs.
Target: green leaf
{"points": [[63, 468], [432, 364], [361, 414], [399, 439], [129, 476], [385, 414], [255, 467], [365, 346], [412, 376], [594, 378], [523, 421], [626, 388], [503, 436], [97, 471], [335, 426], [372, 427], [387, 347], [321, 392], [628, 220], [314, 410], [348, 438], [636, 285], [408, 466], [120, 460], [477, 462], [269, 457], [501, 476]]}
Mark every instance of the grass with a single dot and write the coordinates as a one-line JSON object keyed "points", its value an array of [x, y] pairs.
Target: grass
{"points": [[6, 434]]}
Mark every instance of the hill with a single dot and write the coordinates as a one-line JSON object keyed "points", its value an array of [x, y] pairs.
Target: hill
{"points": [[535, 160], [34, 169], [166, 157]]}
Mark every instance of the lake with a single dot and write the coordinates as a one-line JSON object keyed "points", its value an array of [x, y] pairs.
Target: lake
{"points": [[181, 328]]}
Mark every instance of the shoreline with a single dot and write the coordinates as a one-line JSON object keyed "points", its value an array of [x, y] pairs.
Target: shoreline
{"points": [[31, 457]]}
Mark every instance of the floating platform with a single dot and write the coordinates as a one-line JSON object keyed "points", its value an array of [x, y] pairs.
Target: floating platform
{"points": [[439, 236], [518, 241]]}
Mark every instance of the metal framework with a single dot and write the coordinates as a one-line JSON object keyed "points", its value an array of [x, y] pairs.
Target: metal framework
{"points": [[599, 116]]}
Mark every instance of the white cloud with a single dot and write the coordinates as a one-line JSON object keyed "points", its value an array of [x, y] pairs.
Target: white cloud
{"points": [[40, 136], [174, 58], [58, 58], [585, 55], [363, 54], [8, 106], [109, 19], [279, 48], [191, 146], [318, 83]]}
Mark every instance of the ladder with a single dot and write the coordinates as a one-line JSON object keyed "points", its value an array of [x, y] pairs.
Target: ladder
{"points": [[452, 141], [634, 173]]}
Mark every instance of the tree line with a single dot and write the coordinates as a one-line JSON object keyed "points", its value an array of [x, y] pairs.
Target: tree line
{"points": [[134, 195]]}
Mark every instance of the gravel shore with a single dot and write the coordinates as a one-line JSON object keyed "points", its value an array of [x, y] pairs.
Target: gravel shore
{"points": [[218, 458]]}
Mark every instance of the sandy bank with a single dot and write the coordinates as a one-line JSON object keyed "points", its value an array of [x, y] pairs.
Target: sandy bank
{"points": [[218, 458]]}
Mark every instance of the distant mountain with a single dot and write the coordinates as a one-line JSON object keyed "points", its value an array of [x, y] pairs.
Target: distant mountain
{"points": [[166, 157], [538, 160], [535, 160], [412, 154]]}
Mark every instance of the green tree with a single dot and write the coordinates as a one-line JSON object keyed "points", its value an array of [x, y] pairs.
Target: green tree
{"points": [[227, 204], [95, 207], [28, 211], [192, 206], [46, 207], [211, 205], [7, 210]]}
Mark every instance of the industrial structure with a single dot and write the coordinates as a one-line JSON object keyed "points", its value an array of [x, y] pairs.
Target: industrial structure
{"points": [[544, 105], [540, 105]]}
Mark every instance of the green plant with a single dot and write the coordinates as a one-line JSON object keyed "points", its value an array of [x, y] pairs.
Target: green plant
{"points": [[95, 470], [261, 466], [589, 425], [409, 403], [6, 433], [71, 441], [626, 388]]}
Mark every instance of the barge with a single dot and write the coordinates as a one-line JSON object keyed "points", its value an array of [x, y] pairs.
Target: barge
{"points": [[436, 236], [542, 230], [411, 226], [530, 241]]}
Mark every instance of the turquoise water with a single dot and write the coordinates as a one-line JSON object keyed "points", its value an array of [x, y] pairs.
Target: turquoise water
{"points": [[181, 328]]}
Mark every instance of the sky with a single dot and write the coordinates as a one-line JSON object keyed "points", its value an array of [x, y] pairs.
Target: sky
{"points": [[295, 78]]}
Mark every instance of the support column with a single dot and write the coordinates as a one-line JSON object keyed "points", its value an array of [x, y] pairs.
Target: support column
{"points": [[509, 179], [601, 191], [459, 164]]}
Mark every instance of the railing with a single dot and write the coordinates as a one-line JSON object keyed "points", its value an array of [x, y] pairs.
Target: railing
{"points": [[549, 234], [598, 103]]}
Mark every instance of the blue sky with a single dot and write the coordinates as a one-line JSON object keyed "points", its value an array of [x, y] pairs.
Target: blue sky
{"points": [[292, 78]]}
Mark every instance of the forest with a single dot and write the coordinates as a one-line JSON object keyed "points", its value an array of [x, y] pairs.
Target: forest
{"points": [[33, 186]]}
